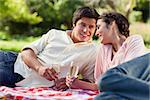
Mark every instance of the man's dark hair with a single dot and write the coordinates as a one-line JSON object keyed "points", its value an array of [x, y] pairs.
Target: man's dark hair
{"points": [[84, 12]]}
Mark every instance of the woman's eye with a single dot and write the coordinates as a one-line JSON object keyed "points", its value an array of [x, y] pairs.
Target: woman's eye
{"points": [[97, 26]]}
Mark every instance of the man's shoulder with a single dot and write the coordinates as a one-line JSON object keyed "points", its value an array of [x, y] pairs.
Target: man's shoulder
{"points": [[56, 31]]}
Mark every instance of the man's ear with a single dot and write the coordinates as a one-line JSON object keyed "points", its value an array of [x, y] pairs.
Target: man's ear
{"points": [[74, 25]]}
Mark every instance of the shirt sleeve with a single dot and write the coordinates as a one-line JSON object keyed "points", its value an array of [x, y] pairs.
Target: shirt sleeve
{"points": [[38, 45], [135, 47], [88, 70], [99, 70]]}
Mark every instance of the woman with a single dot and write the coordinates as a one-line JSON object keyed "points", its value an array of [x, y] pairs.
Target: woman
{"points": [[129, 74], [117, 44], [117, 47]]}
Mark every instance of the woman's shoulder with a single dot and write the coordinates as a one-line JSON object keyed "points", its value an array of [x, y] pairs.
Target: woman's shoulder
{"points": [[134, 39], [105, 48]]}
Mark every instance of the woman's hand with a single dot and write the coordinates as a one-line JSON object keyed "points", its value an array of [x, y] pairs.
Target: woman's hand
{"points": [[69, 80], [60, 84], [47, 72]]}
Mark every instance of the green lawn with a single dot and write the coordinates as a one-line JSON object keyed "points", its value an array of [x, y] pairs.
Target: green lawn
{"points": [[12, 45], [16, 42]]}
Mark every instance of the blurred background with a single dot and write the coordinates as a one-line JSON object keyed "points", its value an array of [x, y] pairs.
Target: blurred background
{"points": [[23, 21]]}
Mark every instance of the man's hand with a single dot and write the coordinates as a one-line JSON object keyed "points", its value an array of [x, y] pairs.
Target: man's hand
{"points": [[60, 84], [30, 59], [47, 72]]}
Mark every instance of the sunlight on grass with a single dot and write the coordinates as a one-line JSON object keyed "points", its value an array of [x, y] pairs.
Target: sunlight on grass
{"points": [[12, 45], [14, 42]]}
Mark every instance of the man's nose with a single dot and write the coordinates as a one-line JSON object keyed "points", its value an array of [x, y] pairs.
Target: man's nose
{"points": [[85, 29]]}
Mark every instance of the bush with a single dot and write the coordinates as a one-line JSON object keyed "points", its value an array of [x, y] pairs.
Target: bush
{"points": [[135, 16], [15, 16]]}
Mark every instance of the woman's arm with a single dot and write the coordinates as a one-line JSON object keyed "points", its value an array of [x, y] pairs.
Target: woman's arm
{"points": [[79, 84]]}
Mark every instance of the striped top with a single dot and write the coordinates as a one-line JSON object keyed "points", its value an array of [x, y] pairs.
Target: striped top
{"points": [[132, 47]]}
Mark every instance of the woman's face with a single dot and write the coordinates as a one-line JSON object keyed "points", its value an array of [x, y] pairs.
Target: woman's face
{"points": [[104, 32]]}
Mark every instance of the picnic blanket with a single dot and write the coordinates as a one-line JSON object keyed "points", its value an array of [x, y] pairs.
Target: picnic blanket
{"points": [[44, 93]]}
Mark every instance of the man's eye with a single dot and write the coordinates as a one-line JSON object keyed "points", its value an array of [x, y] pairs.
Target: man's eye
{"points": [[91, 26], [82, 24]]}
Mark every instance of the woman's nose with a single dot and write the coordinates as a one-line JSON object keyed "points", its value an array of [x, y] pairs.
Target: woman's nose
{"points": [[97, 33]]}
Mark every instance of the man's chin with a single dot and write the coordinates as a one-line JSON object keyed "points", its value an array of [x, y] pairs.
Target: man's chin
{"points": [[86, 39]]}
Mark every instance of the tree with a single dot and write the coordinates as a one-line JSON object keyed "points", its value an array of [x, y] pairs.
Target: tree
{"points": [[123, 6], [144, 7], [55, 13], [13, 12]]}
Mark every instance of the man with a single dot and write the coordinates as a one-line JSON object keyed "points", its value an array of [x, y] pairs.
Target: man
{"points": [[34, 65]]}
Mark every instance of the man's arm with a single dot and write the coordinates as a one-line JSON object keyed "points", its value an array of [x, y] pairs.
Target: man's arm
{"points": [[30, 59]]}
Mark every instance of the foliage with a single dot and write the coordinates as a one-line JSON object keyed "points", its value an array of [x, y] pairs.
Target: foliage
{"points": [[17, 10], [122, 6], [55, 13], [35, 17], [143, 6], [126, 7], [16, 13], [135, 16]]}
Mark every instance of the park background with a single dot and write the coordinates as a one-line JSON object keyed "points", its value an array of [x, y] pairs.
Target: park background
{"points": [[24, 21]]}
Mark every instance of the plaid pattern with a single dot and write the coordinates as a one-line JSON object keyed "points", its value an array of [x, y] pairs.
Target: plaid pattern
{"points": [[44, 93]]}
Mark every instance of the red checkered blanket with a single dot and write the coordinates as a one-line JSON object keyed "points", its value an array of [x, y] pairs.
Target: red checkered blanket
{"points": [[45, 93]]}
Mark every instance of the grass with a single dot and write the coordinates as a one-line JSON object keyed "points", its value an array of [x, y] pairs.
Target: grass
{"points": [[16, 42], [13, 45]]}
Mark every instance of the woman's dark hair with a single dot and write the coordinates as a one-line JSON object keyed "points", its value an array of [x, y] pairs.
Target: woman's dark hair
{"points": [[84, 12], [120, 20]]}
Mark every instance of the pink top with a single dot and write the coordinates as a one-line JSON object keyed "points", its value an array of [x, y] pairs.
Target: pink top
{"points": [[131, 48]]}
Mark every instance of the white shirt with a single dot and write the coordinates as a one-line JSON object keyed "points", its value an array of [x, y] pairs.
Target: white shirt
{"points": [[56, 47]]}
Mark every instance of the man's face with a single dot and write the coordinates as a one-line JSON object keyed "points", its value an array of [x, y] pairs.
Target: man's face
{"points": [[83, 30]]}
